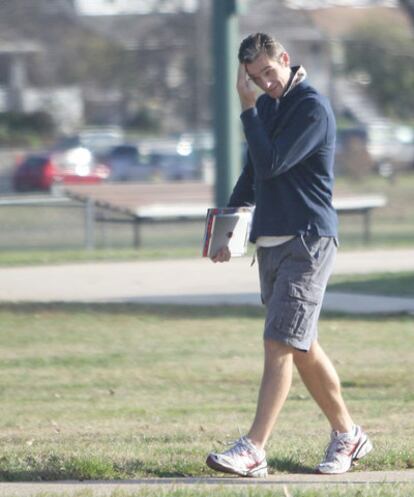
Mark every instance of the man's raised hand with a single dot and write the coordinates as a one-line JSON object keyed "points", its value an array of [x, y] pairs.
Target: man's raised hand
{"points": [[245, 89]]}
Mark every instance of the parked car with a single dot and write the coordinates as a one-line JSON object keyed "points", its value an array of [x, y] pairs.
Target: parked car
{"points": [[126, 164], [382, 147], [391, 147], [174, 159], [175, 167], [97, 139], [42, 171]]}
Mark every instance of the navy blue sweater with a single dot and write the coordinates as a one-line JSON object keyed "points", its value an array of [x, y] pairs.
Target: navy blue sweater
{"points": [[288, 172]]}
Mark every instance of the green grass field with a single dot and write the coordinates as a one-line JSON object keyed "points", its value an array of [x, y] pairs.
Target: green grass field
{"points": [[43, 257], [389, 284], [126, 391]]}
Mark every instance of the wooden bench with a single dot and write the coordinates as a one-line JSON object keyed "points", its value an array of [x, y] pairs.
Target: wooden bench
{"points": [[361, 205], [145, 203]]}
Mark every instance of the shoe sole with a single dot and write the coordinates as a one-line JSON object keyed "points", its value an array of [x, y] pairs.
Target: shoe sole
{"points": [[363, 449], [257, 473]]}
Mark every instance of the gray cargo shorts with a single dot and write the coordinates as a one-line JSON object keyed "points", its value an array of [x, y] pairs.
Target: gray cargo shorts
{"points": [[293, 279]]}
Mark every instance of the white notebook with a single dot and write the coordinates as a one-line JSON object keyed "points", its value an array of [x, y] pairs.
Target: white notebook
{"points": [[227, 227]]}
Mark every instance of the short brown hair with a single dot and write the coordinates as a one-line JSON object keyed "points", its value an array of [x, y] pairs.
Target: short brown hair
{"points": [[259, 43]]}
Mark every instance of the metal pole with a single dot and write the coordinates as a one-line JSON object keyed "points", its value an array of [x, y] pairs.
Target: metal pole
{"points": [[367, 226], [137, 232], [89, 224], [226, 102]]}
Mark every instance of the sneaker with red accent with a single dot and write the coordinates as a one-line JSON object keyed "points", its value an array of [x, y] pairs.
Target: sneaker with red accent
{"points": [[343, 450], [243, 459]]}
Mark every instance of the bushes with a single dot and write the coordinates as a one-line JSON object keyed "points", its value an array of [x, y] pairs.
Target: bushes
{"points": [[19, 128]]}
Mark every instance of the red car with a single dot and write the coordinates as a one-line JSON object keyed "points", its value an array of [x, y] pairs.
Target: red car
{"points": [[42, 171]]}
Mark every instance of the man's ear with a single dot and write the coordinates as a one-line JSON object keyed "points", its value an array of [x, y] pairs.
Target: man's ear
{"points": [[285, 59]]}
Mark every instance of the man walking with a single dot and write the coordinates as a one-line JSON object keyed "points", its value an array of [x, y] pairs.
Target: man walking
{"points": [[288, 175]]}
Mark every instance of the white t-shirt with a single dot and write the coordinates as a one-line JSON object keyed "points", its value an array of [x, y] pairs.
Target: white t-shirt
{"points": [[272, 241]]}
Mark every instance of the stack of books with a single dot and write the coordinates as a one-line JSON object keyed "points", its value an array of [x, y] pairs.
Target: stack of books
{"points": [[227, 227]]}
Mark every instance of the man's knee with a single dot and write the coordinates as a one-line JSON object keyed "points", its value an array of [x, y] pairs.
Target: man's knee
{"points": [[275, 348], [277, 356], [303, 358]]}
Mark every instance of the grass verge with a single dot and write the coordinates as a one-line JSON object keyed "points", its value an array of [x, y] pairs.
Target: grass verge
{"points": [[389, 284], [126, 391], [44, 257]]}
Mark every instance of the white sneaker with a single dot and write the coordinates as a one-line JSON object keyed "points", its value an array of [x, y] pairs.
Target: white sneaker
{"points": [[343, 450], [243, 459]]}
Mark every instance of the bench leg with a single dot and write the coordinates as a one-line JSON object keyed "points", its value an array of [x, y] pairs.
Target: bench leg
{"points": [[90, 224], [137, 234], [367, 226]]}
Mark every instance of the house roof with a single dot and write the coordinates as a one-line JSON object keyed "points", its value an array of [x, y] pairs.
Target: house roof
{"points": [[146, 32], [318, 4], [131, 7], [12, 42], [337, 22], [280, 21], [27, 29]]}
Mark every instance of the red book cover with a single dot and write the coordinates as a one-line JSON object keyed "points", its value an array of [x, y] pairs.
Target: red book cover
{"points": [[208, 230]]}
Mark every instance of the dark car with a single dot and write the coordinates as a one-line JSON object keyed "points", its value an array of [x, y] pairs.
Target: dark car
{"points": [[44, 170], [176, 167], [126, 164]]}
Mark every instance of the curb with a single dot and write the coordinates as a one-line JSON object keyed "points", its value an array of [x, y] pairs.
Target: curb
{"points": [[103, 487]]}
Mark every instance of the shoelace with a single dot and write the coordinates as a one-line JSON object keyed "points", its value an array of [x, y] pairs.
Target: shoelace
{"points": [[238, 446]]}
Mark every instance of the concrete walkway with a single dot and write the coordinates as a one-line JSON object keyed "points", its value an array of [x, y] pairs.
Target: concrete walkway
{"points": [[289, 481], [191, 281]]}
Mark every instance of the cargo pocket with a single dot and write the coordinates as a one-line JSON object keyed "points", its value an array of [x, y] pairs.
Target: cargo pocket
{"points": [[297, 311]]}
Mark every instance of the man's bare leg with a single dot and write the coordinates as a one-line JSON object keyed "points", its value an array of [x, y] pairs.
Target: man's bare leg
{"points": [[321, 379], [317, 373], [275, 385]]}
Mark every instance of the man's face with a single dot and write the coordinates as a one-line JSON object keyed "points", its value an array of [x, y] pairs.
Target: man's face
{"points": [[271, 76]]}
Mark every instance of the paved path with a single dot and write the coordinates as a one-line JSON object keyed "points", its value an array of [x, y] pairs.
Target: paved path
{"points": [[106, 488], [190, 281]]}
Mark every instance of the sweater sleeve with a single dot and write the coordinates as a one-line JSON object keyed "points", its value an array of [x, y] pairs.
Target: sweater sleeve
{"points": [[303, 133], [243, 192]]}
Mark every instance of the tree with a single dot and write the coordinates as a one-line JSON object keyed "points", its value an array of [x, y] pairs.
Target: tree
{"points": [[385, 55], [408, 5]]}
